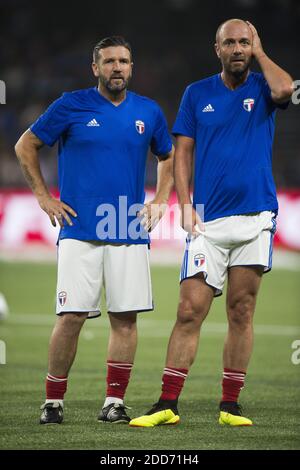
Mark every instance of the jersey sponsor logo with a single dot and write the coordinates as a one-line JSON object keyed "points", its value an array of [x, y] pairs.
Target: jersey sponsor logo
{"points": [[93, 123], [62, 298], [140, 126], [248, 104], [208, 109], [199, 260]]}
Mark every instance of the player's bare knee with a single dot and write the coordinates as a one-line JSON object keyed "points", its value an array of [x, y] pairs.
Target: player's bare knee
{"points": [[240, 311], [124, 325], [190, 315]]}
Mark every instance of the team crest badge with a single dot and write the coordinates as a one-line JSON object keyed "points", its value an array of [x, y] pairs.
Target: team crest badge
{"points": [[62, 297], [248, 104], [140, 126], [199, 260]]}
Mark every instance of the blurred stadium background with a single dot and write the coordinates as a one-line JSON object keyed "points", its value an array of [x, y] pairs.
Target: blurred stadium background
{"points": [[46, 49]]}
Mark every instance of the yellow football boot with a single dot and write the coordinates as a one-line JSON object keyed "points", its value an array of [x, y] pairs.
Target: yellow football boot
{"points": [[231, 414], [162, 413]]}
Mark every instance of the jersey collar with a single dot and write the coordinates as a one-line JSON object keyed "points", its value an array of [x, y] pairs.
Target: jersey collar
{"points": [[246, 82], [102, 99]]}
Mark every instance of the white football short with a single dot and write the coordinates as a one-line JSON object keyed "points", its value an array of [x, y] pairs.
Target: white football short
{"points": [[85, 267], [239, 240]]}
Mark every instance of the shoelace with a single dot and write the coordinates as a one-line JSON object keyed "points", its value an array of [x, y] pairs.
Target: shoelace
{"points": [[50, 405], [122, 407]]}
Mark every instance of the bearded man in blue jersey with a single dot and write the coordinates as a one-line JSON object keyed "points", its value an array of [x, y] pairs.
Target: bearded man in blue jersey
{"points": [[104, 135], [229, 120]]}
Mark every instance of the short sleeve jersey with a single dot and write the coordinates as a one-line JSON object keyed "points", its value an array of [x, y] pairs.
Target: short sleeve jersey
{"points": [[233, 132], [102, 160]]}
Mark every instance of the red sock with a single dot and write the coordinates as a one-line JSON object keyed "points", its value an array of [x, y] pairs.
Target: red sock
{"points": [[172, 383], [56, 387], [118, 374], [232, 384]]}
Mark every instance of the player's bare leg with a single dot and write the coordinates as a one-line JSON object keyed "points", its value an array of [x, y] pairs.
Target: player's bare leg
{"points": [[120, 357], [194, 304], [243, 286], [63, 342], [123, 337], [62, 351]]}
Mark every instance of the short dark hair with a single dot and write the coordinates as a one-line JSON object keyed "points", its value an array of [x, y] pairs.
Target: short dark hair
{"points": [[111, 41]]}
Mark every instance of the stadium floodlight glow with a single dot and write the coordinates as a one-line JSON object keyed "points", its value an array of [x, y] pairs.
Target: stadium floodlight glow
{"points": [[296, 94], [2, 92]]}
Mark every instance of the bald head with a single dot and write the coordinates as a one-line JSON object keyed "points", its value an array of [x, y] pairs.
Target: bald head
{"points": [[232, 26], [234, 46]]}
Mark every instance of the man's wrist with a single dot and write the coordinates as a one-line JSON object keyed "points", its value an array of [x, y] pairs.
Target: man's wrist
{"points": [[260, 55], [41, 196], [160, 200]]}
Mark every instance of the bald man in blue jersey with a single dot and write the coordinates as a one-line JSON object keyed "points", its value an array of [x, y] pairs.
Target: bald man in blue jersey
{"points": [[228, 119], [104, 135]]}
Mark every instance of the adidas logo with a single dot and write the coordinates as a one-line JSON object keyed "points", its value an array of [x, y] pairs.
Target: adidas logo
{"points": [[93, 123], [208, 109]]}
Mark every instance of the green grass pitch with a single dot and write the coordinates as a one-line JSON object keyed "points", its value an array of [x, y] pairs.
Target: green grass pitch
{"points": [[271, 395]]}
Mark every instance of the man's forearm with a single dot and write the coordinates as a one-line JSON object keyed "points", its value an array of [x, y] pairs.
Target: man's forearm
{"points": [[182, 175], [165, 178], [28, 158], [279, 81]]}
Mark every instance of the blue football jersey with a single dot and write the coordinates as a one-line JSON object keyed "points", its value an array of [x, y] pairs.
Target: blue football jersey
{"points": [[102, 160], [233, 132]]}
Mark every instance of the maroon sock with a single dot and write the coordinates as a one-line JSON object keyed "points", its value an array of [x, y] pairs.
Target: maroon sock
{"points": [[118, 374], [232, 384], [56, 387], [172, 383]]}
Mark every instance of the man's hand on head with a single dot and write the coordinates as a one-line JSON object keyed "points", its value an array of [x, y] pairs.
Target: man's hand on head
{"points": [[256, 42]]}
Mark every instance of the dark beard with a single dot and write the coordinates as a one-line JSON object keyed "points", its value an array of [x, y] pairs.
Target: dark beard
{"points": [[239, 73], [113, 89]]}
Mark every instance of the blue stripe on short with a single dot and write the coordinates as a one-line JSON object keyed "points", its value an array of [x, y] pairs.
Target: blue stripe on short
{"points": [[184, 267], [273, 230]]}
